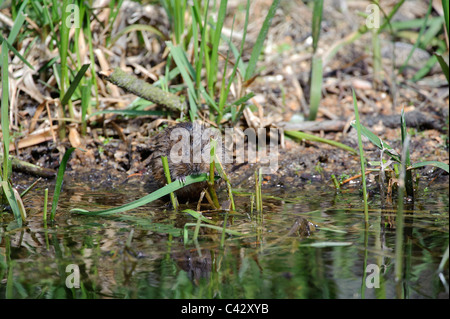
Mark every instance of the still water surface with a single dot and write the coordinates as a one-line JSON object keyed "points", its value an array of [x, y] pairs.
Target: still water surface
{"points": [[307, 244]]}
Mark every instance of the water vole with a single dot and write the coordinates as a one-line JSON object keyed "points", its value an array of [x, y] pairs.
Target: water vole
{"points": [[187, 147]]}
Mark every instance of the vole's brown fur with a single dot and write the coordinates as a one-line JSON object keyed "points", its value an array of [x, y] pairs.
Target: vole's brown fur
{"points": [[162, 144]]}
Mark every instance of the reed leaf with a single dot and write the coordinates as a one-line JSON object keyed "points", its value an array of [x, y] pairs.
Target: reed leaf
{"points": [[361, 156], [313, 138], [257, 48], [74, 84], [163, 191], [59, 181]]}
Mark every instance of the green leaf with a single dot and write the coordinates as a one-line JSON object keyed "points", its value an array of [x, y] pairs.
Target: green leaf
{"points": [[228, 231], [172, 187], [257, 48], [136, 27], [16, 53], [11, 198], [445, 7], [75, 83], [198, 215], [309, 137], [375, 140], [438, 164], [444, 65], [18, 22], [316, 88], [317, 20], [59, 181]]}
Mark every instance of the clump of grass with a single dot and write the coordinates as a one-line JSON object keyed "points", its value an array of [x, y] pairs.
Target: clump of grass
{"points": [[395, 159], [7, 191], [204, 30], [165, 164]]}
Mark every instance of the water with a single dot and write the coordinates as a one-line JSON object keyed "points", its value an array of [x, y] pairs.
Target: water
{"points": [[310, 243]]}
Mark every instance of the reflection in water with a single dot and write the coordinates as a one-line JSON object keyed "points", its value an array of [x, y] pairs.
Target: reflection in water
{"points": [[297, 249]]}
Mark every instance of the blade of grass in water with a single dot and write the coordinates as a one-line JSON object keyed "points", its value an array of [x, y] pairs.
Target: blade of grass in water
{"points": [[407, 160], [172, 187], [228, 231], [165, 164], [362, 159], [59, 182], [197, 215], [399, 219]]}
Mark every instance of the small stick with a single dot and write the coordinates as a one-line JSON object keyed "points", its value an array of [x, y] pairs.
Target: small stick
{"points": [[139, 87]]}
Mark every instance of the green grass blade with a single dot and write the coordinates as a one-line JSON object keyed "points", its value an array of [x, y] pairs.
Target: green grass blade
{"points": [[5, 111], [74, 84], [136, 27], [361, 156], [11, 198], [198, 215], [375, 140], [387, 20], [59, 181], [64, 48], [408, 174], [425, 70], [16, 53], [257, 49], [431, 35], [165, 164], [440, 165], [85, 103], [445, 256], [316, 23], [186, 69], [309, 137], [212, 75], [445, 7], [316, 88], [444, 65], [172, 187], [17, 25], [228, 231], [416, 44]]}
